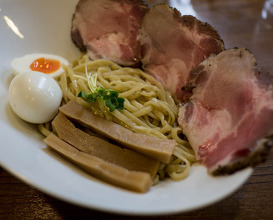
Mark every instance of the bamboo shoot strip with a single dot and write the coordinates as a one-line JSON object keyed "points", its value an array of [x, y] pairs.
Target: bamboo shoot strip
{"points": [[159, 149], [108, 172], [101, 148]]}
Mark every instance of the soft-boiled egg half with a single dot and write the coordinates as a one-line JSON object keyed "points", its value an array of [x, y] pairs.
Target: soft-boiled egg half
{"points": [[34, 96], [49, 64]]}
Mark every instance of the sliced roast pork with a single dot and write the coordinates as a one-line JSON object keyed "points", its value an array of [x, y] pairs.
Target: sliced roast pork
{"points": [[108, 29], [229, 118], [173, 45]]}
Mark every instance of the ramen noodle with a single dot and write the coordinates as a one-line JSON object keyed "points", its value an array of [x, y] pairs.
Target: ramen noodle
{"points": [[148, 108]]}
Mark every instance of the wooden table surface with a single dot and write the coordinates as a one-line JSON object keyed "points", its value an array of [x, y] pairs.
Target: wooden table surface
{"points": [[240, 23]]}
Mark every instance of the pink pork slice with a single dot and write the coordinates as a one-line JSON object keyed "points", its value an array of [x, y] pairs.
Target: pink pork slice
{"points": [[108, 29], [229, 118], [173, 45]]}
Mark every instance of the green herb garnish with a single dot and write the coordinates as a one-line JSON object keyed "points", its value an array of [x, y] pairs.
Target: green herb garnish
{"points": [[109, 96]]}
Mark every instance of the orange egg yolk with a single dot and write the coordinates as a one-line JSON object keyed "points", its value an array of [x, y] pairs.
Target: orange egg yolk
{"points": [[45, 65]]}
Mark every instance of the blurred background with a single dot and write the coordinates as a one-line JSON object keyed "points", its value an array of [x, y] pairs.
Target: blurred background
{"points": [[240, 23]]}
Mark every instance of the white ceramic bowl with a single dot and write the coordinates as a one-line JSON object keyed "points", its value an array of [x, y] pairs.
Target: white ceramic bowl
{"points": [[44, 27]]}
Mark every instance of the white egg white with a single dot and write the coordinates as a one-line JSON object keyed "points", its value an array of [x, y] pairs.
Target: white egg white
{"points": [[22, 64], [35, 97]]}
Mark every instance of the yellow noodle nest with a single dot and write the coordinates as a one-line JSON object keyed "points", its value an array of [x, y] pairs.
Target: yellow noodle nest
{"points": [[148, 108]]}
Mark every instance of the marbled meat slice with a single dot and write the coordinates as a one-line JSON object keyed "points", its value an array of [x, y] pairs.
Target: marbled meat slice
{"points": [[173, 45], [229, 118], [108, 29]]}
